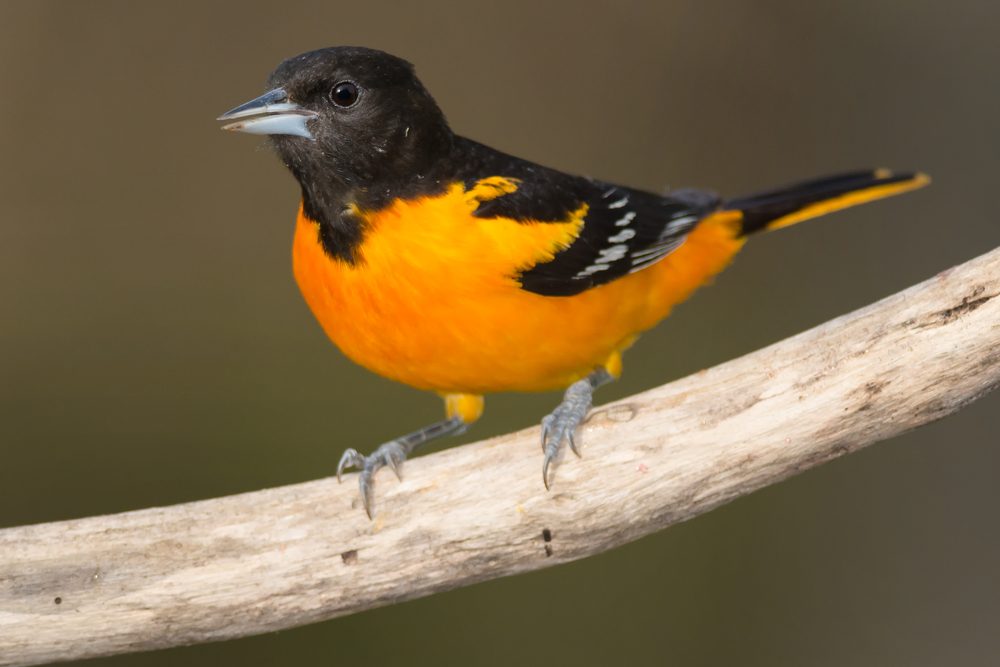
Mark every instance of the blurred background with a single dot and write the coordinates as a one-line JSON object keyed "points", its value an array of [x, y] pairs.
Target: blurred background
{"points": [[156, 350]]}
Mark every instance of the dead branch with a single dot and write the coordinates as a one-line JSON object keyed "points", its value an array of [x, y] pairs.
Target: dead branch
{"points": [[272, 559]]}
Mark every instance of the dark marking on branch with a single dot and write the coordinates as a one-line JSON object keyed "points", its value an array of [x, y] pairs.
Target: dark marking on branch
{"points": [[969, 304], [869, 392]]}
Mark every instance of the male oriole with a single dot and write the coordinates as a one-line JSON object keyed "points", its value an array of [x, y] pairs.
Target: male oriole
{"points": [[444, 264]]}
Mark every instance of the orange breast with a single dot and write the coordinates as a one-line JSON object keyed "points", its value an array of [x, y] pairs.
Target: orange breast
{"points": [[434, 302]]}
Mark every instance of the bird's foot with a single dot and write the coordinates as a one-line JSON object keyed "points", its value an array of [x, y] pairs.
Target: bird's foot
{"points": [[561, 425], [391, 454]]}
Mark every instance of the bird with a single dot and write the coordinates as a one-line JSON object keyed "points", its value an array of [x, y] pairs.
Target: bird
{"points": [[439, 262]]}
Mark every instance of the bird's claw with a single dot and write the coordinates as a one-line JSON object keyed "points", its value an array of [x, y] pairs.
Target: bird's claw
{"points": [[351, 458], [561, 425], [391, 454]]}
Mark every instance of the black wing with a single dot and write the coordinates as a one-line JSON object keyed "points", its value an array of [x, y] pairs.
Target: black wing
{"points": [[624, 231]]}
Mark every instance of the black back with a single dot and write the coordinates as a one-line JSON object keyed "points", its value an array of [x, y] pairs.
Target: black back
{"points": [[624, 230]]}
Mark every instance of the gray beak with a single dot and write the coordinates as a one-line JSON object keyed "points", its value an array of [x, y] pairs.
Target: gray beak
{"points": [[271, 113]]}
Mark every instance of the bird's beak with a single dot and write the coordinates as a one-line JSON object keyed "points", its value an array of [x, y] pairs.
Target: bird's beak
{"points": [[271, 113]]}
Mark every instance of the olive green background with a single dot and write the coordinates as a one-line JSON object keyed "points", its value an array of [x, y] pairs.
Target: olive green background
{"points": [[155, 349]]}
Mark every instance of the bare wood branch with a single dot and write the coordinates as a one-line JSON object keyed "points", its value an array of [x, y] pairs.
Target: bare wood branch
{"points": [[272, 559]]}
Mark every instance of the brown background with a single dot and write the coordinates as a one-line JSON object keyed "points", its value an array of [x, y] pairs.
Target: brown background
{"points": [[155, 350]]}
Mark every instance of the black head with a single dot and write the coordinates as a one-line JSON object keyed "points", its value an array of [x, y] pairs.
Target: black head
{"points": [[350, 122]]}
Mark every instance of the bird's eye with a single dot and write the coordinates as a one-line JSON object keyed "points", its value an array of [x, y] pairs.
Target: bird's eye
{"points": [[344, 94]]}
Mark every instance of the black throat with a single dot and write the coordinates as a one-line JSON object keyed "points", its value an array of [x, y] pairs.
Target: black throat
{"points": [[333, 196], [335, 207]]}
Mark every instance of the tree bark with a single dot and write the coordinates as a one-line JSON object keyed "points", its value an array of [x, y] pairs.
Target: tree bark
{"points": [[278, 558]]}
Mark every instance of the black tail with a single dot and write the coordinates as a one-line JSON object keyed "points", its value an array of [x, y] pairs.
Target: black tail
{"points": [[786, 206]]}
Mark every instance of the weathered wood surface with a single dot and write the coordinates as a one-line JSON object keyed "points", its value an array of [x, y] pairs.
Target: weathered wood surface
{"points": [[271, 559]]}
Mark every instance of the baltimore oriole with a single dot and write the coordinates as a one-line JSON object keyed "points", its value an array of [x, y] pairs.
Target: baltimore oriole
{"points": [[449, 266]]}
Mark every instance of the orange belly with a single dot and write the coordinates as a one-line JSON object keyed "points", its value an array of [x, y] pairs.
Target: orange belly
{"points": [[434, 302]]}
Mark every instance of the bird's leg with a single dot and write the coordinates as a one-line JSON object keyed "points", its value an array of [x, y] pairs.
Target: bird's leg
{"points": [[561, 425], [463, 409]]}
